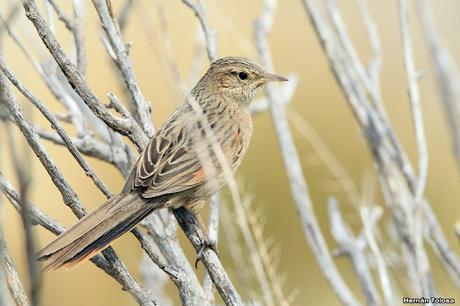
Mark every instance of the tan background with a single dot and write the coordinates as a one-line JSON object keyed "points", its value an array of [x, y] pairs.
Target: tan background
{"points": [[318, 99]]}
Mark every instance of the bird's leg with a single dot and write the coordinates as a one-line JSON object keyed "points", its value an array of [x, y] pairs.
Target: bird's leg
{"points": [[187, 223], [207, 243]]}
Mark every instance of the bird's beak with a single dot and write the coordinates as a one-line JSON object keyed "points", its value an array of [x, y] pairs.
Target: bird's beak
{"points": [[268, 77]]}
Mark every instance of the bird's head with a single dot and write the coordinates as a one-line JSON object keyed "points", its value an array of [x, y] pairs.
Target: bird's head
{"points": [[236, 78]]}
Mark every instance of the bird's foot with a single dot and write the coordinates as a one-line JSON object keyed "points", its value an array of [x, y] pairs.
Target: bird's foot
{"points": [[207, 244]]}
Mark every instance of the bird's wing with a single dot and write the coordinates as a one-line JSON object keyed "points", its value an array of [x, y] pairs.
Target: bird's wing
{"points": [[169, 164]]}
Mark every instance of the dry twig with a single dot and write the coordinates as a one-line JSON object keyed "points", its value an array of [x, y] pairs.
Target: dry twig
{"points": [[298, 185]]}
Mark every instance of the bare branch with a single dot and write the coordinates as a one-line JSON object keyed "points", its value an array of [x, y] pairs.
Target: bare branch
{"points": [[57, 126], [37, 216], [92, 147], [298, 185], [118, 270], [75, 26], [68, 194], [262, 250], [12, 14], [325, 154], [175, 276], [397, 177], [161, 226], [141, 107], [58, 86], [23, 170], [355, 250], [78, 9], [213, 234], [235, 248], [414, 98], [447, 72], [12, 277], [209, 33], [8, 273], [69, 24], [215, 148], [189, 224], [122, 125], [124, 14], [385, 282], [156, 281]]}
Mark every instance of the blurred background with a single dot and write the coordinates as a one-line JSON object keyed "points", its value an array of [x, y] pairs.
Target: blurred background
{"points": [[317, 99]]}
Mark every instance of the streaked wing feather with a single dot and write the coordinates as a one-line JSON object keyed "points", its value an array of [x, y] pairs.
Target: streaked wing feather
{"points": [[168, 165]]}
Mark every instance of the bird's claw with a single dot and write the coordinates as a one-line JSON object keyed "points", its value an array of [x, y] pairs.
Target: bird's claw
{"points": [[207, 244]]}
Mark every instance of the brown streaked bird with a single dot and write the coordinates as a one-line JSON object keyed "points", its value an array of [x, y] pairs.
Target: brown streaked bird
{"points": [[179, 166]]}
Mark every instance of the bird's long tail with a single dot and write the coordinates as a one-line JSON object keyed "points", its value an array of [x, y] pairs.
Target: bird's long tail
{"points": [[96, 231]]}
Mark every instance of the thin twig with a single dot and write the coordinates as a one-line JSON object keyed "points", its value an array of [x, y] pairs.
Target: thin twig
{"points": [[161, 227], [37, 216], [125, 13], [124, 126], [398, 181], [298, 184], [59, 88], [175, 276], [235, 248], [23, 170], [78, 30], [12, 277], [118, 269], [141, 107], [209, 33], [385, 281], [213, 234], [8, 273], [228, 174], [92, 147], [326, 155], [69, 24], [447, 72], [57, 126], [354, 248], [255, 223], [414, 98], [189, 224]]}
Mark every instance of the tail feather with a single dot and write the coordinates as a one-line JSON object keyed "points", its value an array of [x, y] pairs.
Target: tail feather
{"points": [[96, 231]]}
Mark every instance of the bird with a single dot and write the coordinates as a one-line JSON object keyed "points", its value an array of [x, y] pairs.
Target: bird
{"points": [[181, 165]]}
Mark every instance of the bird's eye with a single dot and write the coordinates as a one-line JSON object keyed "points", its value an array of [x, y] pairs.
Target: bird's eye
{"points": [[243, 75]]}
